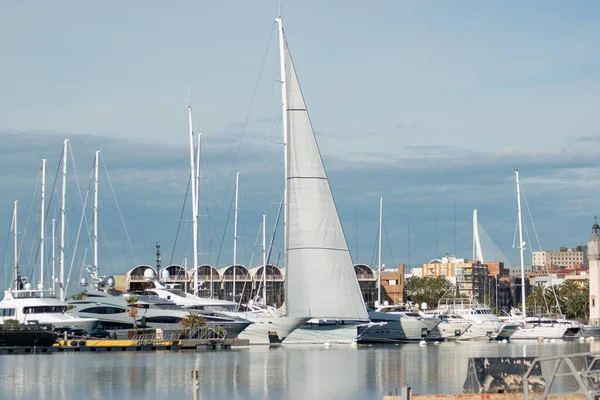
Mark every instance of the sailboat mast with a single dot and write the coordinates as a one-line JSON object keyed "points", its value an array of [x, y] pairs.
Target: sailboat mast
{"points": [[235, 222], [194, 204], [62, 221], [284, 117], [53, 256], [198, 148], [16, 243], [521, 245], [264, 257], [379, 252], [42, 224], [96, 161]]}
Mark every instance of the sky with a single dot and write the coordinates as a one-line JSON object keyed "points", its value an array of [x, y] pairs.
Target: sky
{"points": [[431, 105]]}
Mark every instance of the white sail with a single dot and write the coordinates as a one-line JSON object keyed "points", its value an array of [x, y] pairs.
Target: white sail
{"points": [[319, 270]]}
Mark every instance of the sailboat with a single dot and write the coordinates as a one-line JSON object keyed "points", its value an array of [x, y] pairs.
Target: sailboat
{"points": [[268, 326], [27, 305], [320, 280], [535, 327]]}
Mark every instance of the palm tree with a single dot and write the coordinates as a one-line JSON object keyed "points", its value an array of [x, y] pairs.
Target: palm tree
{"points": [[192, 321], [577, 303], [80, 295], [132, 303]]}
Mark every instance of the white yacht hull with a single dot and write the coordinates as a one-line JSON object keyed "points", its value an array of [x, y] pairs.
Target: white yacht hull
{"points": [[482, 331], [398, 330], [62, 321], [539, 331], [448, 331]]}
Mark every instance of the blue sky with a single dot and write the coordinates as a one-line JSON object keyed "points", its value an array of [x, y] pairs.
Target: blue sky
{"points": [[429, 104]]}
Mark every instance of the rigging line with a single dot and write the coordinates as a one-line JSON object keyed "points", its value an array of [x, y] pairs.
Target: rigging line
{"points": [[237, 152], [31, 252], [209, 190], [28, 219], [81, 223], [47, 214], [118, 208], [275, 231], [540, 249], [531, 218], [187, 191], [81, 199], [80, 273], [389, 245], [250, 263], [225, 230], [373, 262], [6, 259]]}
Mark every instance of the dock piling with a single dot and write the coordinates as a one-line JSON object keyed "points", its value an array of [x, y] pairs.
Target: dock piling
{"points": [[196, 384]]}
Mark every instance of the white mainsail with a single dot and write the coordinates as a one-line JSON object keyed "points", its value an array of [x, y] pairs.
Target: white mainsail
{"points": [[319, 270]]}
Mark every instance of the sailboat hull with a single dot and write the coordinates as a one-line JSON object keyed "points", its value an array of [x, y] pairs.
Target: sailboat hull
{"points": [[325, 331], [268, 329]]}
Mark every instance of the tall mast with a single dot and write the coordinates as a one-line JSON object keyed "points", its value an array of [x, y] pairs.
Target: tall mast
{"points": [[96, 160], [235, 221], [62, 221], [379, 252], [16, 243], [521, 245], [53, 257], [198, 148], [284, 117], [264, 257], [194, 204], [42, 224]]}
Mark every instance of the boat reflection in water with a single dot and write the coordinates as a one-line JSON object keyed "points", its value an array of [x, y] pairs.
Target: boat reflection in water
{"points": [[260, 372]]}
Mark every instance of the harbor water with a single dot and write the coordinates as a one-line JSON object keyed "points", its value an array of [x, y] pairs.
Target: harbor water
{"points": [[260, 372]]}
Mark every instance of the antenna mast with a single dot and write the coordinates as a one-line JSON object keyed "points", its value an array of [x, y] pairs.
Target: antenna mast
{"points": [[63, 200], [158, 258]]}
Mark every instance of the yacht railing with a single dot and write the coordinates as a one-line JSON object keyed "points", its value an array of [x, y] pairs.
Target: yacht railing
{"points": [[584, 368], [206, 332]]}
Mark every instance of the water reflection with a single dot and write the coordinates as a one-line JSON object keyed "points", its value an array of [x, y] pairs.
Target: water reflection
{"points": [[288, 372]]}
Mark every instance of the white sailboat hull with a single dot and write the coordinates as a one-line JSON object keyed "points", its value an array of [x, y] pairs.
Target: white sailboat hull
{"points": [[324, 331], [269, 329]]}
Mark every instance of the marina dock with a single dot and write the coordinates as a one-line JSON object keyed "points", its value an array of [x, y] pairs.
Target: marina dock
{"points": [[102, 345]]}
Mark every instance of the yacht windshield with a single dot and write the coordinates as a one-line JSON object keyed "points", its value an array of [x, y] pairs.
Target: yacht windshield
{"points": [[44, 309]]}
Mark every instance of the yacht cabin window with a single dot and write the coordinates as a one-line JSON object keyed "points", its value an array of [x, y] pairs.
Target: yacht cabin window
{"points": [[7, 312], [44, 309]]}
